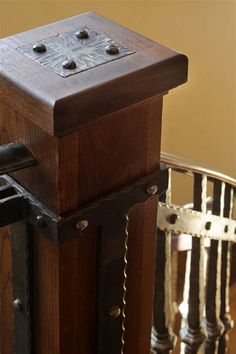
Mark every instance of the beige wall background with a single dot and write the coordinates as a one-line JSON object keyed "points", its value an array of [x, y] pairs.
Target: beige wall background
{"points": [[199, 117]]}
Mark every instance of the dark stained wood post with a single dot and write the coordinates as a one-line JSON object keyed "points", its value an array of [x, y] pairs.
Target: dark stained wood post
{"points": [[85, 96]]}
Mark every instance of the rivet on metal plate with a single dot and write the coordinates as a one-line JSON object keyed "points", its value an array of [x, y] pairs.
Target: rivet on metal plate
{"points": [[69, 64], [41, 222], [152, 189], [115, 312], [39, 48], [173, 218], [82, 34], [208, 225], [81, 225], [111, 49], [17, 305]]}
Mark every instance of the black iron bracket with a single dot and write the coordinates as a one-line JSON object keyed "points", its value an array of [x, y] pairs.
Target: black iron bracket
{"points": [[20, 204], [109, 214]]}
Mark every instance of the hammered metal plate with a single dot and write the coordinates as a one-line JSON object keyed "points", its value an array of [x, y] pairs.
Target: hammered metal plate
{"points": [[87, 53]]}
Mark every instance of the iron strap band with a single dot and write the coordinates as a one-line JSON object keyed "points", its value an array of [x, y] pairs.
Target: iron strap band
{"points": [[62, 228], [109, 215], [185, 221]]}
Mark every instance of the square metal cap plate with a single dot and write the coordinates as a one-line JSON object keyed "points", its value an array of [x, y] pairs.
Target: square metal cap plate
{"points": [[72, 52]]}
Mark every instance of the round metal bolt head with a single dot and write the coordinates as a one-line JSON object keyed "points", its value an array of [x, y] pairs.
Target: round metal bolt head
{"points": [[173, 218], [115, 312], [82, 34], [69, 64], [111, 49], [152, 189], [17, 305], [41, 222], [39, 48], [208, 225], [81, 225]]}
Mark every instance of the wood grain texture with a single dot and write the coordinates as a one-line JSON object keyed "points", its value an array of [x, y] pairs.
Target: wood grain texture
{"points": [[79, 167], [6, 297], [91, 133], [77, 294], [65, 295], [72, 170], [8, 132], [60, 105], [46, 295], [110, 153], [141, 275], [42, 179]]}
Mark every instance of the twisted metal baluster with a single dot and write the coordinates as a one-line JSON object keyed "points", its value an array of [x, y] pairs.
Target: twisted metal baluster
{"points": [[214, 325], [163, 339], [225, 275], [193, 333]]}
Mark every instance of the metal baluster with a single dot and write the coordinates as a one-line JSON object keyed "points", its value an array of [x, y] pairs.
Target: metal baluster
{"points": [[225, 275], [193, 333], [163, 339], [183, 308], [214, 326]]}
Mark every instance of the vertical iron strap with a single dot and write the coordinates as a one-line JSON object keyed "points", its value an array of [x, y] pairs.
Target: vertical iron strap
{"points": [[163, 338], [193, 334], [111, 289], [112, 220], [214, 326], [22, 271]]}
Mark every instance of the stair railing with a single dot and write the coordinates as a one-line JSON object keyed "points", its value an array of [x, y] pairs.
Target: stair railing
{"points": [[206, 230]]}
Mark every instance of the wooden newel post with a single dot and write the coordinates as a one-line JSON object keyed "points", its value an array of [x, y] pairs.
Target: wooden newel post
{"points": [[84, 95]]}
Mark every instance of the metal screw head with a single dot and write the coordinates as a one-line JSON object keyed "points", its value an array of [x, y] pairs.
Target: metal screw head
{"points": [[41, 222], [82, 34], [111, 49], [81, 225], [173, 218], [17, 305], [115, 312], [152, 189], [39, 48], [69, 64], [208, 225]]}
